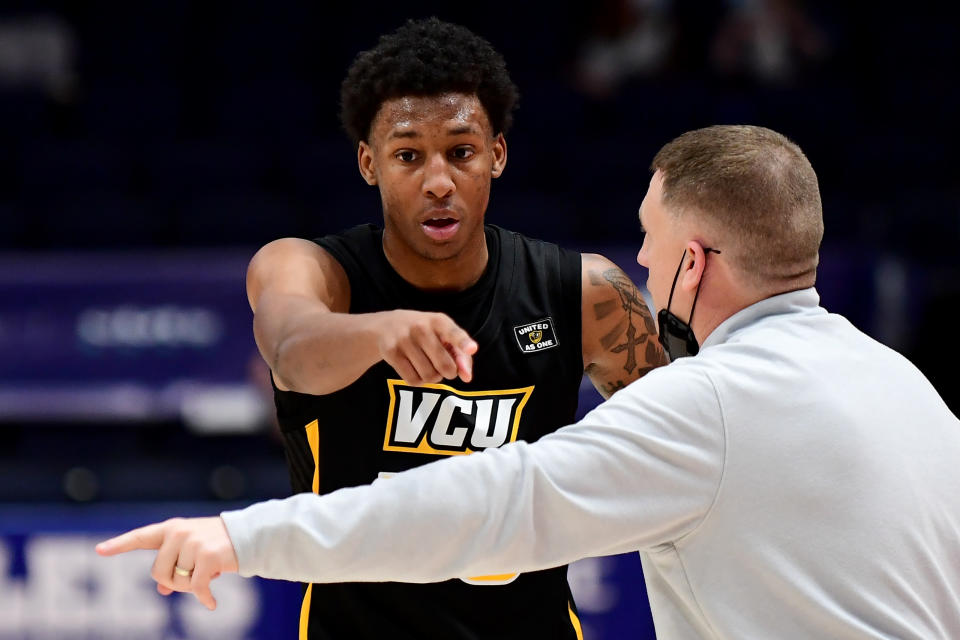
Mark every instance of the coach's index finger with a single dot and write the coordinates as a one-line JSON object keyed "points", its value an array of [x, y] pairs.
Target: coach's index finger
{"points": [[148, 537]]}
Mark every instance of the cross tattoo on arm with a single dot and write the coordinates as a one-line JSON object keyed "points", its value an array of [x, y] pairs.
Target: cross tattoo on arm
{"points": [[633, 303]]}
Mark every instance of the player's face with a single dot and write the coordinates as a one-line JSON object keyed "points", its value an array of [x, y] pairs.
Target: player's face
{"points": [[663, 244], [433, 158]]}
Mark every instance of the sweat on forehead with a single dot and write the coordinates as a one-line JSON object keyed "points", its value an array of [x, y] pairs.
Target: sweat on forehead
{"points": [[451, 110]]}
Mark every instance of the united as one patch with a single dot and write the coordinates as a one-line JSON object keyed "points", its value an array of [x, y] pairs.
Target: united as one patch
{"points": [[536, 336]]}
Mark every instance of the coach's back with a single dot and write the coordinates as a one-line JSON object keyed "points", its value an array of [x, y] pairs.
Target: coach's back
{"points": [[840, 492]]}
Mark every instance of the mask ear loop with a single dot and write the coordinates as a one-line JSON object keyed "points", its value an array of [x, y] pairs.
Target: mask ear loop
{"points": [[706, 251], [675, 276]]}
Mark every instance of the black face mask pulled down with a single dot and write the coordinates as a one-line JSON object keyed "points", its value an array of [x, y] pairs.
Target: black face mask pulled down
{"points": [[675, 335]]}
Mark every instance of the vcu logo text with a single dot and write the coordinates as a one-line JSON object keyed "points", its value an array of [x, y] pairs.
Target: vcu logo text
{"points": [[440, 420]]}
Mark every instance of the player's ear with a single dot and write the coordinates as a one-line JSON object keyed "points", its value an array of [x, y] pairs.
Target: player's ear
{"points": [[499, 155], [365, 162]]}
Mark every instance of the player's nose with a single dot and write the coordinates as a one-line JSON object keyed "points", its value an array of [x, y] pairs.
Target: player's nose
{"points": [[438, 181]]}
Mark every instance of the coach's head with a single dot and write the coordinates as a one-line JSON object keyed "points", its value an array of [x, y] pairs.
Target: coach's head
{"points": [[732, 216]]}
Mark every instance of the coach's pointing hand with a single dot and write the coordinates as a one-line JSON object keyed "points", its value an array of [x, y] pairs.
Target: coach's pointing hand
{"points": [[190, 553], [426, 347]]}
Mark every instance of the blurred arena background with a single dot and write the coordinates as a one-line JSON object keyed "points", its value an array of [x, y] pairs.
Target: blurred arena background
{"points": [[147, 149]]}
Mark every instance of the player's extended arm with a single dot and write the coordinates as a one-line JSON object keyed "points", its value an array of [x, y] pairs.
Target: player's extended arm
{"points": [[619, 335], [300, 296]]}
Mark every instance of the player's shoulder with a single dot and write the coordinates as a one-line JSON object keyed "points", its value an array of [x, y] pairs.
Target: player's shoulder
{"points": [[283, 250], [589, 258], [360, 244], [599, 273], [329, 248], [598, 262], [358, 233], [537, 248], [296, 260]]}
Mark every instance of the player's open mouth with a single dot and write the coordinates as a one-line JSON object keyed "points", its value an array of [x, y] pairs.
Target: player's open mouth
{"points": [[440, 222], [440, 228]]}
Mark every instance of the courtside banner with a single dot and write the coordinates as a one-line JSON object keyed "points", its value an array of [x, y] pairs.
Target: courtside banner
{"points": [[124, 336]]}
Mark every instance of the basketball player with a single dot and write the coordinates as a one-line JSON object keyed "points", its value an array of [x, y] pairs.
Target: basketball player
{"points": [[435, 335]]}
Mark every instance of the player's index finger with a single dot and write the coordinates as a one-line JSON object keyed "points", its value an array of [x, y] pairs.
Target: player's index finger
{"points": [[148, 537], [459, 339]]}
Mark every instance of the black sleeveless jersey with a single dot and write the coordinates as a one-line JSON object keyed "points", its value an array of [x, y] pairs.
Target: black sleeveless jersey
{"points": [[524, 314]]}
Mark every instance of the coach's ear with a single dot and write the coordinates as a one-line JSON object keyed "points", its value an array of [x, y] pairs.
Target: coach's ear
{"points": [[694, 262], [499, 155], [366, 164]]}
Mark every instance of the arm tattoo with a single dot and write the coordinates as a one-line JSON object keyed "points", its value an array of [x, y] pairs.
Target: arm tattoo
{"points": [[610, 387], [633, 303]]}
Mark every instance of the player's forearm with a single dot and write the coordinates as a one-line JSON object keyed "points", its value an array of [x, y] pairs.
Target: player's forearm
{"points": [[311, 350], [323, 359]]}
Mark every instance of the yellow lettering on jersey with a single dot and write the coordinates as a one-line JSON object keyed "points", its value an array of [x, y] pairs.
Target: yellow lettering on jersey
{"points": [[437, 419]]}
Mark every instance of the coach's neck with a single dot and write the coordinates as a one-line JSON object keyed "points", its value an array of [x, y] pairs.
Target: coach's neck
{"points": [[725, 291]]}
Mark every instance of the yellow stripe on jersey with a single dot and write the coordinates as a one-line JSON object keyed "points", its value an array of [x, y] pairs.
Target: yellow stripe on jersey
{"points": [[313, 438], [576, 622], [503, 578], [305, 613]]}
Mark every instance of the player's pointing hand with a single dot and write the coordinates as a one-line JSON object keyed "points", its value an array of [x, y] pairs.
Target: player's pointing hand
{"points": [[190, 553], [426, 347]]}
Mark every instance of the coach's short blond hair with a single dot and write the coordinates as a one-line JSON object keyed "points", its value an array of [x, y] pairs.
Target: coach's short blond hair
{"points": [[757, 196]]}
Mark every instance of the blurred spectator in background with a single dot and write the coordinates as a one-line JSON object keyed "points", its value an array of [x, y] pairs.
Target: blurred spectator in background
{"points": [[626, 38], [770, 41], [767, 41], [38, 53]]}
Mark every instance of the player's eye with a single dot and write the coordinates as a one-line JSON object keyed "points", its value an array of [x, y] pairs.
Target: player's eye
{"points": [[406, 155], [462, 153]]}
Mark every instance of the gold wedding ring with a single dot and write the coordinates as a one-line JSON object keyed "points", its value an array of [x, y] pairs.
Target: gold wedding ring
{"points": [[180, 571]]}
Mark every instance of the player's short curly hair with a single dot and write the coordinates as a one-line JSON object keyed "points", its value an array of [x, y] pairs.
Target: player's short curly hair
{"points": [[426, 58]]}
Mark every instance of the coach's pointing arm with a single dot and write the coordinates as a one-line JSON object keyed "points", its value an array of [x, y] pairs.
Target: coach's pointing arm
{"points": [[640, 470], [300, 296]]}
